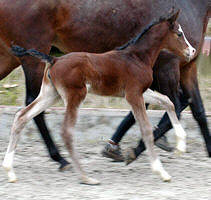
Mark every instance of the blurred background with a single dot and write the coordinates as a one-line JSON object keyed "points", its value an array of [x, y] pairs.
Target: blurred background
{"points": [[12, 88]]}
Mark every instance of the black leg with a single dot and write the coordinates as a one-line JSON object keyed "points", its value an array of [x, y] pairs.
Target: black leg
{"points": [[198, 111], [192, 93]]}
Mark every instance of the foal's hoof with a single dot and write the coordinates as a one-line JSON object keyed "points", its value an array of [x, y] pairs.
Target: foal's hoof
{"points": [[10, 173], [181, 148], [12, 179], [64, 167], [130, 156], [178, 153], [164, 175], [166, 178], [90, 181]]}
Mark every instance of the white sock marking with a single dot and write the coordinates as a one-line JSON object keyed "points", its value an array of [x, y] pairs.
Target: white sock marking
{"points": [[8, 160], [181, 138], [158, 168]]}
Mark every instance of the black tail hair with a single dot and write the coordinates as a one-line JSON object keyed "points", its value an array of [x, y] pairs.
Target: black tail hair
{"points": [[20, 52]]}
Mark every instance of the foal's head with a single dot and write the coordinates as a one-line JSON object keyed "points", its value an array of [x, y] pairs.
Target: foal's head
{"points": [[176, 40]]}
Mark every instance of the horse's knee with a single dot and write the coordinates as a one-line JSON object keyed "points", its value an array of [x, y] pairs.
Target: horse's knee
{"points": [[19, 121], [168, 103]]}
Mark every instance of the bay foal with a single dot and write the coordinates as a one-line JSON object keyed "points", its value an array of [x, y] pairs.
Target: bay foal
{"points": [[124, 72]]}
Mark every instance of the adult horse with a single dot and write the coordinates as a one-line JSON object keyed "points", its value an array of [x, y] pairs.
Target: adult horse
{"points": [[97, 26]]}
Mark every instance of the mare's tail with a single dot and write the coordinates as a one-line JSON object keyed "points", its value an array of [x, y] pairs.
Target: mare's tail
{"points": [[20, 52]]}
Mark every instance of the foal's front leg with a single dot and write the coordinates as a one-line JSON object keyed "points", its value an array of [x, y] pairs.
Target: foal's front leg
{"points": [[45, 99], [139, 110], [156, 98]]}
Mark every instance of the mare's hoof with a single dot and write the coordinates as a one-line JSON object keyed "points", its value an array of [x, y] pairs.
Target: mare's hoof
{"points": [[65, 167], [130, 156], [90, 181]]}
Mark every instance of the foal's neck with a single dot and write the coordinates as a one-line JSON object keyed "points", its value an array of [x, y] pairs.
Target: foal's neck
{"points": [[149, 46]]}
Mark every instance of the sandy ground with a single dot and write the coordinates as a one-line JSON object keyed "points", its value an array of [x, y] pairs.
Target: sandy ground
{"points": [[39, 179]]}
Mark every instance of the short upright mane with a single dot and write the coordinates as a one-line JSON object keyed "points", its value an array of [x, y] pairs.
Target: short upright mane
{"points": [[136, 39]]}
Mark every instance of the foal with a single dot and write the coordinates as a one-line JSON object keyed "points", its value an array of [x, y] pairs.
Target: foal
{"points": [[124, 72]]}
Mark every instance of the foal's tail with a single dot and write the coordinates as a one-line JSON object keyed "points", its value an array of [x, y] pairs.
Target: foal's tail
{"points": [[20, 52]]}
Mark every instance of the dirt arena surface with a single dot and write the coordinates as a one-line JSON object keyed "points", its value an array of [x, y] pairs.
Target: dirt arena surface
{"points": [[39, 179]]}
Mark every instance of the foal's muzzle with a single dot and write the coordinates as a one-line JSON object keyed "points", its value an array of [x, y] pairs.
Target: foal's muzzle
{"points": [[190, 53]]}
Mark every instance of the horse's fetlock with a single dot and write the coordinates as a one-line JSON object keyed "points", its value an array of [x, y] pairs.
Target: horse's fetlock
{"points": [[6, 166]]}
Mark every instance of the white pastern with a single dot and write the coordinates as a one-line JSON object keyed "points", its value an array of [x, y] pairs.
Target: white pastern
{"points": [[157, 167], [8, 160], [11, 176], [181, 138], [192, 50], [8, 166]]}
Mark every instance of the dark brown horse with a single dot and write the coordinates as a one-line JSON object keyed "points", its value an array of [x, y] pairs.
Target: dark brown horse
{"points": [[124, 72], [98, 26]]}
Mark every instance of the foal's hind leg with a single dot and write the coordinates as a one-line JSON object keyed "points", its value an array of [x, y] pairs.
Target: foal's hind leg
{"points": [[33, 70], [162, 100], [45, 99], [138, 107], [73, 99]]}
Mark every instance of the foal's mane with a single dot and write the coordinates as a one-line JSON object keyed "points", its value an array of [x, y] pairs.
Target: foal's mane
{"points": [[140, 35]]}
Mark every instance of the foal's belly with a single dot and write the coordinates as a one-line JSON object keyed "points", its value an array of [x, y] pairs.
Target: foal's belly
{"points": [[105, 91]]}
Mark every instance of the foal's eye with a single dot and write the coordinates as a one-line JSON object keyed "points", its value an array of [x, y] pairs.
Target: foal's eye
{"points": [[179, 34]]}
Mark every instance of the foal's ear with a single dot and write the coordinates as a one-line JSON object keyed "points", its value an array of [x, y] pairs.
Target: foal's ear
{"points": [[174, 17]]}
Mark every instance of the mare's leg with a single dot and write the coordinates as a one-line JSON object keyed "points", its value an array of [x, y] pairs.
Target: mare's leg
{"points": [[33, 71], [189, 84], [45, 99], [72, 99], [138, 107]]}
